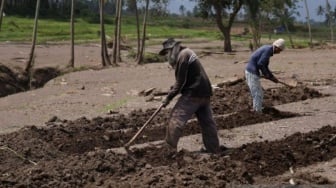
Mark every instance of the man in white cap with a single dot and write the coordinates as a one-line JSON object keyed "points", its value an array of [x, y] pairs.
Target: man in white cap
{"points": [[257, 67]]}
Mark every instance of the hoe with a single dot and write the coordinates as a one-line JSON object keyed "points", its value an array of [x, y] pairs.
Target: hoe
{"points": [[127, 145]]}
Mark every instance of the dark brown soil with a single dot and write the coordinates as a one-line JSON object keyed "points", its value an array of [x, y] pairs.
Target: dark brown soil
{"points": [[15, 80], [77, 153], [74, 127]]}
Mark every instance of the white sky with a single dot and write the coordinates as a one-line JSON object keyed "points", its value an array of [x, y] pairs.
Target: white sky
{"points": [[174, 6], [313, 5]]}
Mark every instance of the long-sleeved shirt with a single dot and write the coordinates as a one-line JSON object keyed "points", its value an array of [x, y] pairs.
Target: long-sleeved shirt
{"points": [[258, 63], [190, 76]]}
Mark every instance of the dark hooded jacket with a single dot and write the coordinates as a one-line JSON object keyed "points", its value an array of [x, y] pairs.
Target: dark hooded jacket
{"points": [[191, 79]]}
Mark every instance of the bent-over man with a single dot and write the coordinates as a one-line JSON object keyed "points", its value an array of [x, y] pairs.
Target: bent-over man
{"points": [[195, 88], [257, 67]]}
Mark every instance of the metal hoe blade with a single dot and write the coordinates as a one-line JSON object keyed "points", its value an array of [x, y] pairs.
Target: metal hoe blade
{"points": [[292, 83]]}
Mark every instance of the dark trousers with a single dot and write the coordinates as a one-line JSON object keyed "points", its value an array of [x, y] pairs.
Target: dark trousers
{"points": [[183, 110]]}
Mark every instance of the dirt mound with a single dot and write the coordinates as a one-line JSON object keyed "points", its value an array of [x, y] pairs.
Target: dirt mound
{"points": [[155, 166], [16, 80], [237, 97], [77, 153]]}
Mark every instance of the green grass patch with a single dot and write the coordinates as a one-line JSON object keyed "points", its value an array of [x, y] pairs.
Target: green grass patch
{"points": [[114, 106], [20, 29]]}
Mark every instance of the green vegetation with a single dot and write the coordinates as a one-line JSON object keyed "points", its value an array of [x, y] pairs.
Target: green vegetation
{"points": [[114, 106], [20, 30]]}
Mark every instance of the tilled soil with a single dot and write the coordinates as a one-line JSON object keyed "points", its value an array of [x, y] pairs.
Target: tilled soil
{"points": [[72, 141], [78, 153]]}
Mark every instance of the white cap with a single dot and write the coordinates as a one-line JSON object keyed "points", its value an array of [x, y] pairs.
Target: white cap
{"points": [[280, 43]]}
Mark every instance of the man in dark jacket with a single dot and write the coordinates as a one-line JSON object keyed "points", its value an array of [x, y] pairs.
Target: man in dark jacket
{"points": [[257, 67], [195, 88]]}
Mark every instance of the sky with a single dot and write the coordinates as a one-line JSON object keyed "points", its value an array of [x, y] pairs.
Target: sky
{"points": [[174, 6], [313, 5]]}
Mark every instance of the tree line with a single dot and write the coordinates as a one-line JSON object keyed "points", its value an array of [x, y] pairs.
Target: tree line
{"points": [[223, 12]]}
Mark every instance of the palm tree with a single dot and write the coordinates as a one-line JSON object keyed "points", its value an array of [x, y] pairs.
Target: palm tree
{"points": [[1, 11], [140, 58], [285, 19], [133, 6], [308, 23], [329, 17], [253, 7], [330, 20], [105, 58], [30, 63], [182, 10], [117, 32], [72, 30]]}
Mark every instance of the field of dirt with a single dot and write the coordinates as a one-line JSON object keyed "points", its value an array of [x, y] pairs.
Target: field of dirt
{"points": [[71, 131]]}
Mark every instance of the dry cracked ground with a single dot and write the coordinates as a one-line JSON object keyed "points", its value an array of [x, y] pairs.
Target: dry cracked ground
{"points": [[70, 131]]}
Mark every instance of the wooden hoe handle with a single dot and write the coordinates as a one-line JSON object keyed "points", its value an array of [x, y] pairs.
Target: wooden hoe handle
{"points": [[281, 82], [143, 127]]}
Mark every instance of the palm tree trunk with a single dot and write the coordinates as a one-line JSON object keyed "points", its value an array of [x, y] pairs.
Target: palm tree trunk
{"points": [[254, 21], [105, 59], [1, 11], [330, 21], [140, 59], [72, 30], [30, 63], [116, 57], [137, 27], [102, 42], [115, 36], [119, 31], [308, 24]]}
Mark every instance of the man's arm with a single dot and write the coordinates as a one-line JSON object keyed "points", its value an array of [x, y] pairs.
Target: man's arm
{"points": [[181, 78], [263, 65]]}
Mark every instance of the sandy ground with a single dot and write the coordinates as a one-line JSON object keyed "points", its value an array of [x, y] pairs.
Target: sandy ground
{"points": [[93, 93]]}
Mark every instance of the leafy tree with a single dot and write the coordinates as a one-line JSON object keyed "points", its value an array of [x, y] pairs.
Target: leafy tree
{"points": [[224, 14], [283, 12]]}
